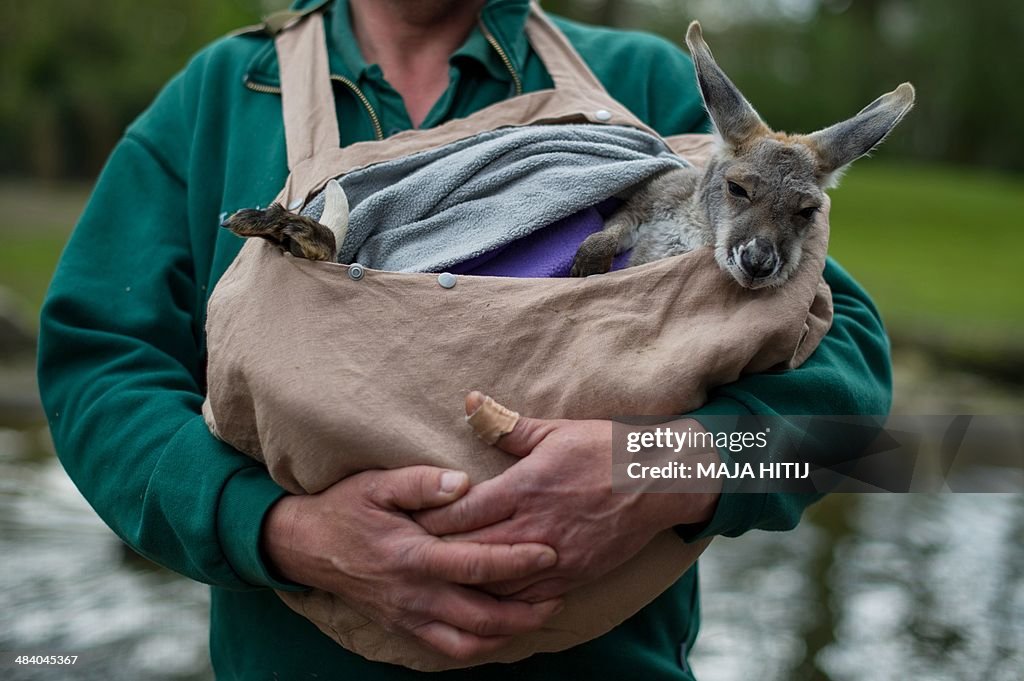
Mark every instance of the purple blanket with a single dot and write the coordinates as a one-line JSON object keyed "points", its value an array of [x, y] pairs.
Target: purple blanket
{"points": [[547, 252]]}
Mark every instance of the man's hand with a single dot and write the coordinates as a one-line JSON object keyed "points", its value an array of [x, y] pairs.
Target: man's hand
{"points": [[356, 540], [560, 495]]}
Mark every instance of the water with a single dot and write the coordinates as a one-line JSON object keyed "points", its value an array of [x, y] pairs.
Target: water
{"points": [[868, 588], [69, 587], [879, 588]]}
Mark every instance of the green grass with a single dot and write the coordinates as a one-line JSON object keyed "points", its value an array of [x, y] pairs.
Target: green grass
{"points": [[938, 248], [36, 222], [26, 265]]}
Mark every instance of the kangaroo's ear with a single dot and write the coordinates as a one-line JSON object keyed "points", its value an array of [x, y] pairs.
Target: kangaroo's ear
{"points": [[335, 213], [843, 143], [735, 120]]}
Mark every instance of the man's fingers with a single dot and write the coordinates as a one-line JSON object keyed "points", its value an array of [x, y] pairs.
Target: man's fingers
{"points": [[527, 433], [509, 586], [531, 589], [470, 623], [416, 487], [457, 644], [468, 563], [487, 503], [504, 532], [483, 615], [544, 590]]}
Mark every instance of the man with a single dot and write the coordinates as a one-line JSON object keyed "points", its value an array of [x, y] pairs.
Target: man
{"points": [[121, 372]]}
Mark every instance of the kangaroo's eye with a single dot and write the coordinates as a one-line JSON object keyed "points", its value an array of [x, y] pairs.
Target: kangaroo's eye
{"points": [[808, 213], [737, 190]]}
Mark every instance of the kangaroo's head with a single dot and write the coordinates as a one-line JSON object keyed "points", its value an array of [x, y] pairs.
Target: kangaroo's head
{"points": [[762, 189]]}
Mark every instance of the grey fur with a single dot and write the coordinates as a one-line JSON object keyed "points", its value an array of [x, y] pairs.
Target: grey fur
{"points": [[757, 199]]}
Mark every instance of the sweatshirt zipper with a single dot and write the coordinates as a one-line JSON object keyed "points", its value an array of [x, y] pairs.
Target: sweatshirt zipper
{"points": [[265, 89], [378, 131], [503, 56]]}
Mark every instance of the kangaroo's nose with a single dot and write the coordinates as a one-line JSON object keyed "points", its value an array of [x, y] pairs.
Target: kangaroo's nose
{"points": [[757, 258]]}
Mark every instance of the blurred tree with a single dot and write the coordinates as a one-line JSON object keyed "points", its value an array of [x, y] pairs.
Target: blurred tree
{"points": [[74, 74], [807, 63]]}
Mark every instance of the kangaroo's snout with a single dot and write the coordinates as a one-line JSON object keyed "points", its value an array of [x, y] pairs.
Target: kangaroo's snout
{"points": [[757, 258]]}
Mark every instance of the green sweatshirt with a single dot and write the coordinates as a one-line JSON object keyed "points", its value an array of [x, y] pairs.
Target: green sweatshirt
{"points": [[122, 352]]}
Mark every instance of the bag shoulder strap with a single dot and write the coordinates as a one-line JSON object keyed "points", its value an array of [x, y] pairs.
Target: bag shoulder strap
{"points": [[564, 64], [307, 97]]}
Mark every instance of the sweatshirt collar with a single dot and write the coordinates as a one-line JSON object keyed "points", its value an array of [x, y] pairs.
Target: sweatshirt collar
{"points": [[503, 19]]}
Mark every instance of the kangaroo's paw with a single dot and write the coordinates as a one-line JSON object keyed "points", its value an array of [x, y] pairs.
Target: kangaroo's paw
{"points": [[303, 237], [595, 255]]}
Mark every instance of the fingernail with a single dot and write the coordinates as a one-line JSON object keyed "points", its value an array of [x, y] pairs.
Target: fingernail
{"points": [[451, 481], [474, 401], [547, 559]]}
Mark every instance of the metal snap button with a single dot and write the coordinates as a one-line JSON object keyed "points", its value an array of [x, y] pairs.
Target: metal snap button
{"points": [[446, 279], [356, 271], [603, 115], [295, 204]]}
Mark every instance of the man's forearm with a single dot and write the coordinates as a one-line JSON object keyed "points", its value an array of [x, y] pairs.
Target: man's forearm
{"points": [[849, 374], [119, 372]]}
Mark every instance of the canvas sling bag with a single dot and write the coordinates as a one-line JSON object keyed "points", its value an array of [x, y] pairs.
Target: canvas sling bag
{"points": [[322, 370]]}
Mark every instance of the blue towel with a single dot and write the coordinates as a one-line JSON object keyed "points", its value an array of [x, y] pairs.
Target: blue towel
{"points": [[432, 210]]}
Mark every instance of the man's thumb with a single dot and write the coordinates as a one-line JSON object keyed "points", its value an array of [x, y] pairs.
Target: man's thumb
{"points": [[414, 488], [498, 425]]}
